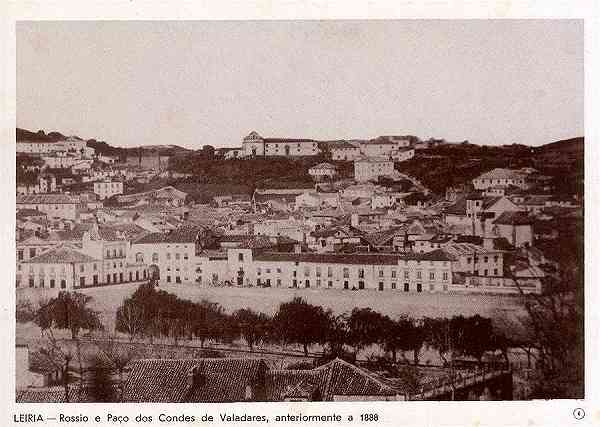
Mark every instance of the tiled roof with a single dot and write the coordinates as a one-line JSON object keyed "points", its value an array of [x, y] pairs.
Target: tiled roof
{"points": [[54, 394], [46, 198], [514, 218], [455, 250], [120, 232], [191, 380], [227, 380], [60, 255], [359, 259], [458, 208], [287, 140], [502, 173], [25, 213], [324, 166], [185, 234], [345, 379], [40, 363], [488, 202]]}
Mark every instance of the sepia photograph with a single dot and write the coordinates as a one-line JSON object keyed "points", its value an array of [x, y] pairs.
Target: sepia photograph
{"points": [[299, 211]]}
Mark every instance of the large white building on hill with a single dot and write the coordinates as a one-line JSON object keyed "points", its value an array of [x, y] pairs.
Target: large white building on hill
{"points": [[255, 145]]}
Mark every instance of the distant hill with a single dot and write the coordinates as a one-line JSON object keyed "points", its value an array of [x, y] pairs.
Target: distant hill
{"points": [[572, 145], [456, 164], [40, 135]]}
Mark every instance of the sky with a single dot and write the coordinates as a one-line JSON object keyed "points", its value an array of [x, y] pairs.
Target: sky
{"points": [[192, 83]]}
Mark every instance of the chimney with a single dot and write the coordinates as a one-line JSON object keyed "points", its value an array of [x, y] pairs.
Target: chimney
{"points": [[195, 377]]}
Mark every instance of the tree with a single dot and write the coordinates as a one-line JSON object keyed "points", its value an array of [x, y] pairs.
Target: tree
{"points": [[478, 337], [130, 319], [252, 326], [24, 311], [298, 322], [403, 335], [59, 358], [100, 384], [366, 327], [69, 310], [114, 357]]}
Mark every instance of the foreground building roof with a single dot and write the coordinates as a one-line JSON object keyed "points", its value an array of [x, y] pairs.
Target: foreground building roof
{"points": [[230, 380]]}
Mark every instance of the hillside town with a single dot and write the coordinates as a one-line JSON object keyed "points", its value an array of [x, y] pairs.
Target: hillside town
{"points": [[381, 229]]}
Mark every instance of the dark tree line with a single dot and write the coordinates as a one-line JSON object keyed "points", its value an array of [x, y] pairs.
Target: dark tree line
{"points": [[151, 313]]}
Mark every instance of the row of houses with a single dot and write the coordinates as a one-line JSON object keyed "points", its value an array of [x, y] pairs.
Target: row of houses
{"points": [[195, 255]]}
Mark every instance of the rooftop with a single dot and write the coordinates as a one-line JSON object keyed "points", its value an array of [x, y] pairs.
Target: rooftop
{"points": [[60, 255]]}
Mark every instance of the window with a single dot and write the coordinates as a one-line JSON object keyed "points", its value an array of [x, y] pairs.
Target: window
{"points": [[469, 260], [31, 252], [82, 281], [177, 256], [419, 287], [137, 275], [431, 275], [278, 270], [361, 285], [346, 273], [258, 271], [345, 284], [108, 253], [278, 282], [418, 274], [318, 272], [329, 272], [168, 279], [154, 257], [485, 272], [307, 284], [295, 273], [63, 284], [81, 268], [52, 283], [121, 277], [114, 253], [381, 286], [306, 271], [95, 279], [20, 255], [121, 252], [114, 277], [241, 257], [177, 279], [406, 287], [95, 267], [445, 275], [380, 273], [108, 278], [431, 287], [495, 271], [495, 258], [139, 257], [185, 255], [330, 284], [168, 255], [485, 259], [406, 275], [476, 272], [393, 274]]}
